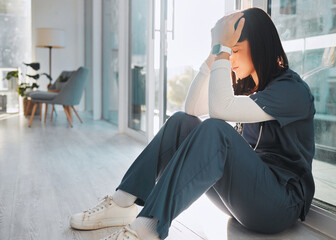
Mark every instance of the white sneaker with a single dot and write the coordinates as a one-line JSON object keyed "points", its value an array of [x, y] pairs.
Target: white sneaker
{"points": [[126, 233], [123, 234], [106, 214]]}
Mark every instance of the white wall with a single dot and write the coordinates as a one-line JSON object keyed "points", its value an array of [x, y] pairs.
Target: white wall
{"points": [[63, 14]]}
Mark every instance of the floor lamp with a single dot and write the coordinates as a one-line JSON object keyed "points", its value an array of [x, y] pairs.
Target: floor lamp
{"points": [[50, 38]]}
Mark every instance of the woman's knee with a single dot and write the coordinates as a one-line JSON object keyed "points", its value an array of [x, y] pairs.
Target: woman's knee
{"points": [[214, 123], [182, 118], [217, 201]]}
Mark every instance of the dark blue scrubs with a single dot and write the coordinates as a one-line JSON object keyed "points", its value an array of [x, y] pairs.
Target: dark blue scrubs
{"points": [[266, 190], [287, 144]]}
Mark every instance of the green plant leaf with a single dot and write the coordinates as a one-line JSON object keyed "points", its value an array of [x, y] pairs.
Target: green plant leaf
{"points": [[34, 86], [12, 74], [21, 90], [36, 76], [47, 75], [34, 65], [24, 86]]}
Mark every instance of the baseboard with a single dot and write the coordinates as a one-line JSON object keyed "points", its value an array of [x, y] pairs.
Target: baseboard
{"points": [[322, 221]]}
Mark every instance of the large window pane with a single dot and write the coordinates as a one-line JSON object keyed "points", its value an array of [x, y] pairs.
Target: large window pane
{"points": [[138, 68], [110, 60], [15, 31], [307, 29], [190, 46], [15, 46]]}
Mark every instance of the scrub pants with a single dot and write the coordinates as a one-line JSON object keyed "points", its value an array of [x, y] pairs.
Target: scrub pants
{"points": [[189, 157]]}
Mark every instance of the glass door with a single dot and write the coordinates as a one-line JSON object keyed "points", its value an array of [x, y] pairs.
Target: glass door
{"points": [[137, 107], [189, 44], [110, 60], [168, 41], [182, 43]]}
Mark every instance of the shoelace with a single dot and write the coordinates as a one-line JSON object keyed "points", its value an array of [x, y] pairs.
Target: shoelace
{"points": [[123, 231], [103, 203]]}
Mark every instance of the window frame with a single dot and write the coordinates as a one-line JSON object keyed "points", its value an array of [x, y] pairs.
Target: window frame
{"points": [[319, 219]]}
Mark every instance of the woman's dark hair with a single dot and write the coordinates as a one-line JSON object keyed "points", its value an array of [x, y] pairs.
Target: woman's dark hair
{"points": [[268, 57]]}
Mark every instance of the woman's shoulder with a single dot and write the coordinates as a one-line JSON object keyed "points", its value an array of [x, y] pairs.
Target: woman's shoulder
{"points": [[290, 81], [290, 88], [287, 98], [289, 76]]}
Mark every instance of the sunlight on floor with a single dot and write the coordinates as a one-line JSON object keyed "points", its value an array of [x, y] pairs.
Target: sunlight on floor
{"points": [[205, 218]]}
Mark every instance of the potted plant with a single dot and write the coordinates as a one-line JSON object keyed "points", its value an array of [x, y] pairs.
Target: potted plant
{"points": [[27, 82]]}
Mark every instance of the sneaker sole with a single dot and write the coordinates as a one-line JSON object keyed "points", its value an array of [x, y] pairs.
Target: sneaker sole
{"points": [[101, 224]]}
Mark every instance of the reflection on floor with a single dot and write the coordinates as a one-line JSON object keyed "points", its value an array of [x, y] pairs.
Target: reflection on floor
{"points": [[325, 181], [51, 171], [4, 116]]}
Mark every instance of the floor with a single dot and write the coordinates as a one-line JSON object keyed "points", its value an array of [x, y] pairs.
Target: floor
{"points": [[51, 171], [325, 181]]}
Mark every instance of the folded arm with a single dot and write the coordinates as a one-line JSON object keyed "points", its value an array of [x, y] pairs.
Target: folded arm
{"points": [[212, 93], [197, 101]]}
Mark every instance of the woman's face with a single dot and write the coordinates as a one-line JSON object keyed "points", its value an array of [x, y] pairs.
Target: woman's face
{"points": [[241, 60]]}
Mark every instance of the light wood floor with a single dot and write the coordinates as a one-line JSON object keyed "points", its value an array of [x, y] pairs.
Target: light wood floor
{"points": [[51, 171]]}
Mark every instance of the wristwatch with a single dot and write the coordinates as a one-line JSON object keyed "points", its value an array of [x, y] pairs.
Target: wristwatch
{"points": [[219, 48]]}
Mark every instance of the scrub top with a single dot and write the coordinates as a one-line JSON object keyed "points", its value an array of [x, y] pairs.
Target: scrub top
{"points": [[287, 143]]}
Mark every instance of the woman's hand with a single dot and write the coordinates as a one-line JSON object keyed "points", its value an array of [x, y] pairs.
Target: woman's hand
{"points": [[224, 33]]}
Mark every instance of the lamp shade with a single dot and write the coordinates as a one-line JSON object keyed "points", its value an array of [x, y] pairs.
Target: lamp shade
{"points": [[50, 37]]}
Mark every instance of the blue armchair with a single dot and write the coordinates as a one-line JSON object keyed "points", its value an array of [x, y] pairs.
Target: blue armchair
{"points": [[68, 96]]}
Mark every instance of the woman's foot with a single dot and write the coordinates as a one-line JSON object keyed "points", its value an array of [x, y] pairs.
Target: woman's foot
{"points": [[106, 214], [125, 233]]}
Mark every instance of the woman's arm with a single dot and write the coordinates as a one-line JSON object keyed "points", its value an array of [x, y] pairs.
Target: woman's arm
{"points": [[197, 100], [223, 104], [214, 95]]}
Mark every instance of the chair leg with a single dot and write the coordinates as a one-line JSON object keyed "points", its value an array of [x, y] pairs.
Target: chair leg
{"points": [[70, 112], [73, 108], [27, 107], [40, 111], [32, 115], [45, 113], [52, 112], [55, 111], [67, 114]]}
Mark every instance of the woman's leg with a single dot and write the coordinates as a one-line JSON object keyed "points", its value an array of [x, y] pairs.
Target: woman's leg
{"points": [[213, 153], [140, 178], [216, 199]]}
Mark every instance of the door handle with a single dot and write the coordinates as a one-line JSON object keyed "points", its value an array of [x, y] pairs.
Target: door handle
{"points": [[173, 21]]}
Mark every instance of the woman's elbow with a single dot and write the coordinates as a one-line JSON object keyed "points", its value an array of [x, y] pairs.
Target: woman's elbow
{"points": [[214, 113], [187, 108], [190, 111], [190, 108], [219, 109]]}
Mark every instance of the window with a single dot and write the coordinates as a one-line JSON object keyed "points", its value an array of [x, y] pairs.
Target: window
{"points": [[15, 34], [110, 60], [288, 7], [188, 45], [137, 65], [15, 45], [306, 28]]}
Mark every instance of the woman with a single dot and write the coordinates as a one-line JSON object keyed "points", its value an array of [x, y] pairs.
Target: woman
{"points": [[262, 178]]}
